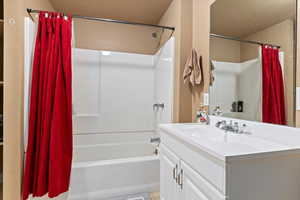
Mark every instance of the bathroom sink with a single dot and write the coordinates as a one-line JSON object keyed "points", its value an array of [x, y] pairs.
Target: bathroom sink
{"points": [[198, 130], [227, 145]]}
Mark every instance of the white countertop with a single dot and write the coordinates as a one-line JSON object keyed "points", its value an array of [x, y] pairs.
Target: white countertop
{"points": [[265, 140]]}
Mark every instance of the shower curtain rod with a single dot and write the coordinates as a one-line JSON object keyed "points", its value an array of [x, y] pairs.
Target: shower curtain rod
{"points": [[240, 40], [29, 11]]}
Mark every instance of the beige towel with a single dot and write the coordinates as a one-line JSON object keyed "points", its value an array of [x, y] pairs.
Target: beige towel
{"points": [[193, 69]]}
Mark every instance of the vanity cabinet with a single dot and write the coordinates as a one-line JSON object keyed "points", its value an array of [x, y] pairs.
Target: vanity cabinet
{"points": [[179, 181], [198, 165]]}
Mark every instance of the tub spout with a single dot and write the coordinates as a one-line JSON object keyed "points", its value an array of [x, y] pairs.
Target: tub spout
{"points": [[157, 141]]}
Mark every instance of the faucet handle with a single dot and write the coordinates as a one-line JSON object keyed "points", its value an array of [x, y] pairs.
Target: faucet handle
{"points": [[243, 128], [217, 111], [220, 123], [236, 127]]}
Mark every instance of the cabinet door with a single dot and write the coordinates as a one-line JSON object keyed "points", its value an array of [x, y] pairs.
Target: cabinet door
{"points": [[169, 168], [191, 188]]}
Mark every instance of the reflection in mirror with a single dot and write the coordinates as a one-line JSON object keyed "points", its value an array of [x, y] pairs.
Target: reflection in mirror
{"points": [[253, 60]]}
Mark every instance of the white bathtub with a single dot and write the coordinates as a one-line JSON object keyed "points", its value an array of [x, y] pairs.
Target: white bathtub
{"points": [[106, 166]]}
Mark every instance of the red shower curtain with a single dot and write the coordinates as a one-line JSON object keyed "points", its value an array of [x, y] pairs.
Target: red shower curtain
{"points": [[273, 105], [49, 150]]}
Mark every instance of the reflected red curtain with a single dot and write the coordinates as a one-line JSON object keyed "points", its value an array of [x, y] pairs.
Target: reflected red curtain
{"points": [[273, 106], [49, 150]]}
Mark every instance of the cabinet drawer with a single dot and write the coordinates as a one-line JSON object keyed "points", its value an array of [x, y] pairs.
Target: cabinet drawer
{"points": [[208, 167]]}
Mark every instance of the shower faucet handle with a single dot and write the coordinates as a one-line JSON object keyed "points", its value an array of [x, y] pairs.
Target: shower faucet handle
{"points": [[161, 105], [155, 140], [157, 106]]}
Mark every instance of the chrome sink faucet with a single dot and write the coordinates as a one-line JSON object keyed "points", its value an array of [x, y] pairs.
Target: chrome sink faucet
{"points": [[231, 127]]}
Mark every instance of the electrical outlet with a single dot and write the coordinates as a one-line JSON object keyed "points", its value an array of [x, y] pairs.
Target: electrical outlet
{"points": [[206, 99], [298, 98]]}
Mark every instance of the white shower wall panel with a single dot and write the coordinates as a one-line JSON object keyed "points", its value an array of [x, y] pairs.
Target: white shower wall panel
{"points": [[114, 91], [164, 73], [224, 89]]}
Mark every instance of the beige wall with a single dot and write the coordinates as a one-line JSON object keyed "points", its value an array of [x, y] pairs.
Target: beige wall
{"points": [[192, 21], [38, 4], [13, 92], [281, 34], [179, 15], [115, 37], [201, 40], [298, 63], [225, 50]]}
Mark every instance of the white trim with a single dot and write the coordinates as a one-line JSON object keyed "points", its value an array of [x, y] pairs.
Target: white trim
{"points": [[116, 192], [111, 132], [87, 164], [30, 29]]}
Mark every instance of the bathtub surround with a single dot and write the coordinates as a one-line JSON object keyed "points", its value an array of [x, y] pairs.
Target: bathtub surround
{"points": [[122, 88], [114, 126], [49, 149]]}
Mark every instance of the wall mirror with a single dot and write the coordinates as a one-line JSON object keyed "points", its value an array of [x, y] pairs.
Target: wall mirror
{"points": [[244, 38]]}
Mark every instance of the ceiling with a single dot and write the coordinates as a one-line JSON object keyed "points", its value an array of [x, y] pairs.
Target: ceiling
{"points": [[240, 18], [142, 11]]}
